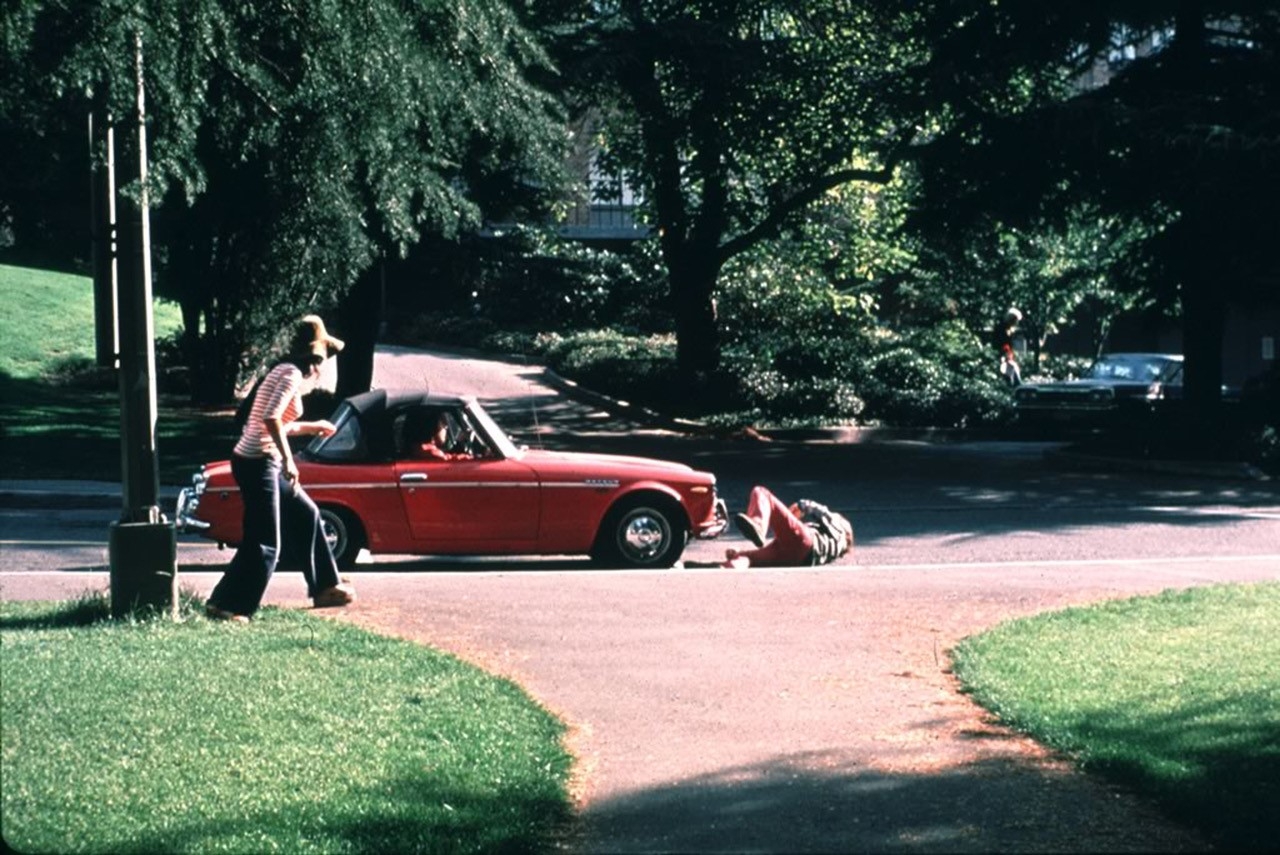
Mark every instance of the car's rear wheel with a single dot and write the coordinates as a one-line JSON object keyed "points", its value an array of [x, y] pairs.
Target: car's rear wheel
{"points": [[645, 532], [345, 536]]}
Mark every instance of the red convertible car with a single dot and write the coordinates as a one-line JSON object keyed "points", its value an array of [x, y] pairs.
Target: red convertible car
{"points": [[377, 490]]}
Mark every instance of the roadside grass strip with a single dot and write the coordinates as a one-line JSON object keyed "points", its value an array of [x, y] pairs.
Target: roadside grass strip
{"points": [[1175, 696], [290, 734]]}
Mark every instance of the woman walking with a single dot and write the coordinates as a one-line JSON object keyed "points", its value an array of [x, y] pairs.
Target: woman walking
{"points": [[279, 517]]}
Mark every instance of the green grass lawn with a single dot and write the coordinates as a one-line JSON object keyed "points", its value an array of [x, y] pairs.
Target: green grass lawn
{"points": [[46, 322], [51, 429], [1176, 696], [292, 734]]}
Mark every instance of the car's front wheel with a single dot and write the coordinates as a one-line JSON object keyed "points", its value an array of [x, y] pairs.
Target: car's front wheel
{"points": [[345, 536], [641, 533]]}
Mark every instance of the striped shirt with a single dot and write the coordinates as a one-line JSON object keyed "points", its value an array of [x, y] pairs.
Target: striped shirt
{"points": [[279, 397]]}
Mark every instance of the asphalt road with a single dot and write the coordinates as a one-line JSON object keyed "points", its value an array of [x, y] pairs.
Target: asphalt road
{"points": [[793, 709]]}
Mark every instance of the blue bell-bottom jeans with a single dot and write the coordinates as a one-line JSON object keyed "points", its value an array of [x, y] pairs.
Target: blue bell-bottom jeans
{"points": [[281, 524]]}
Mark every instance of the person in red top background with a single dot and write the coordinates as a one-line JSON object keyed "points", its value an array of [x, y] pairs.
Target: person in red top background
{"points": [[1009, 370]]}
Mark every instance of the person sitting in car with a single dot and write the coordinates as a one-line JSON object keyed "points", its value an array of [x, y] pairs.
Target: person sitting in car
{"points": [[434, 446]]}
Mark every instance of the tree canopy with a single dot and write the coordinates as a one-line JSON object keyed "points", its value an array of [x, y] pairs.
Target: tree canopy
{"points": [[733, 118], [1114, 152], [292, 144], [1163, 115]]}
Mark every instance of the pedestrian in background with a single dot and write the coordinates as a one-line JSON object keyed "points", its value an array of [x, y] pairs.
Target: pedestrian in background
{"points": [[1009, 370]]}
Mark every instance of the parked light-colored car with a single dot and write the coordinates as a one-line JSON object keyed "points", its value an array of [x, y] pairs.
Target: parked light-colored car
{"points": [[377, 492]]}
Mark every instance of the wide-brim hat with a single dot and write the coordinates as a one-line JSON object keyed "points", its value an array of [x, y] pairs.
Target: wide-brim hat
{"points": [[312, 337]]}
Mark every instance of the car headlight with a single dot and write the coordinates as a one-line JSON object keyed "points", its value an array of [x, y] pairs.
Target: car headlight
{"points": [[1023, 394]]}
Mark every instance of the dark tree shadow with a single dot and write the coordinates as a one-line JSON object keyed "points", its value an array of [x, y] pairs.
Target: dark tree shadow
{"points": [[808, 803]]}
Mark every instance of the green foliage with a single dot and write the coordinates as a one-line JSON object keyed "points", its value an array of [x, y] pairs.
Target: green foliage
{"points": [[291, 734], [535, 280], [804, 348], [940, 377], [1176, 695], [734, 119], [292, 144]]}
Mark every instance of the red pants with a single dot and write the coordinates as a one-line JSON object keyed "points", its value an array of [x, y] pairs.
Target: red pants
{"points": [[792, 542]]}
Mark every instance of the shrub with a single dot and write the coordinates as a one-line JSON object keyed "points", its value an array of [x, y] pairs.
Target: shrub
{"points": [[533, 280]]}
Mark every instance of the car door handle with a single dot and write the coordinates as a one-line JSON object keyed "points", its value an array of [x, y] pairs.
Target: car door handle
{"points": [[413, 477]]}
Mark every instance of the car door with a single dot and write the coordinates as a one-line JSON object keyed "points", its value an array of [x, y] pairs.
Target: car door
{"points": [[485, 504]]}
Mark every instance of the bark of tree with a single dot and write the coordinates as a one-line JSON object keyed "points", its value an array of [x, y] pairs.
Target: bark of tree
{"points": [[694, 309], [358, 321]]}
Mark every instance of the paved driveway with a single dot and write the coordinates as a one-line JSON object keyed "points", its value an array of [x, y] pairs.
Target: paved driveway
{"points": [[786, 711]]}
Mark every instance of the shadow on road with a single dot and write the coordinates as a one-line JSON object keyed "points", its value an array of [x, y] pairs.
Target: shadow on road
{"points": [[816, 803]]}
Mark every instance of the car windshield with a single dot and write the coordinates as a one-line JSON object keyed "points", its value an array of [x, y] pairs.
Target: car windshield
{"points": [[1136, 369], [487, 426]]}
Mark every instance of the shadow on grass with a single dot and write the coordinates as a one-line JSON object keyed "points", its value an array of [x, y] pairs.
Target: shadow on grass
{"points": [[91, 608], [87, 609], [1227, 779], [411, 814], [54, 431]]}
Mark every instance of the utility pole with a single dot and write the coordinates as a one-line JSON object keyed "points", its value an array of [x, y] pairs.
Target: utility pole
{"points": [[102, 232], [143, 545]]}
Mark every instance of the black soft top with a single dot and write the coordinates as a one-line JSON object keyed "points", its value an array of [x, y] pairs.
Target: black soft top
{"points": [[373, 401]]}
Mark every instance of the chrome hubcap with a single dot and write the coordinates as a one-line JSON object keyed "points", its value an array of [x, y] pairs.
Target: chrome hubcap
{"points": [[332, 531], [644, 536]]}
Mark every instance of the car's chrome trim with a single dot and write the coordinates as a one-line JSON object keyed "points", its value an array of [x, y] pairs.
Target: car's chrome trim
{"points": [[184, 516], [422, 480], [372, 485], [439, 485]]}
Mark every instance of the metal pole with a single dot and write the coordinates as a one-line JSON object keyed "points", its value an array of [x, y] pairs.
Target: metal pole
{"points": [[102, 231], [143, 545]]}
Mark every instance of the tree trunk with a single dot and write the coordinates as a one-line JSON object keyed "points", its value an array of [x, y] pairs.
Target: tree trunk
{"points": [[358, 322], [694, 309], [1203, 326]]}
